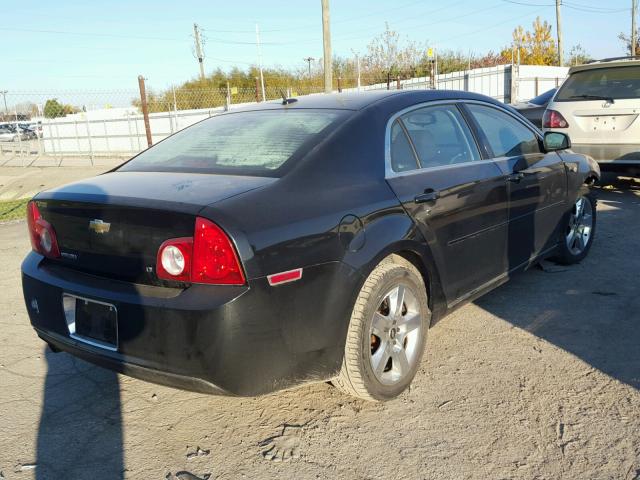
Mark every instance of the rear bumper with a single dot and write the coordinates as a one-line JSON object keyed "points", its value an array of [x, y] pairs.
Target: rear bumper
{"points": [[245, 340], [622, 154], [120, 364]]}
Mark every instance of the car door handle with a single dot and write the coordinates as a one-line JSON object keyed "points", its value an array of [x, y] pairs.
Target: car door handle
{"points": [[429, 195], [515, 177]]}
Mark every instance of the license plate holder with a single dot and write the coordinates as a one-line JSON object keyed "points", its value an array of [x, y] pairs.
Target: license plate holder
{"points": [[91, 321]]}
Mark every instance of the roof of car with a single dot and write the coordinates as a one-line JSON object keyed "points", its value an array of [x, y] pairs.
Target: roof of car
{"points": [[360, 100], [607, 63]]}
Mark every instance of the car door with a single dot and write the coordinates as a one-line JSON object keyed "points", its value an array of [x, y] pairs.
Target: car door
{"points": [[536, 181], [457, 200]]}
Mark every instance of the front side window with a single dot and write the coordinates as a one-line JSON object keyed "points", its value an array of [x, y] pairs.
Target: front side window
{"points": [[440, 136], [243, 143], [601, 83], [506, 136]]}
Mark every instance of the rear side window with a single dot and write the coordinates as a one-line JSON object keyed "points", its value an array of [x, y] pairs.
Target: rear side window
{"points": [[403, 158], [440, 136], [506, 136], [243, 143], [615, 82]]}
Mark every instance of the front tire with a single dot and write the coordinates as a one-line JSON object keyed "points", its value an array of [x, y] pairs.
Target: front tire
{"points": [[387, 332], [579, 230]]}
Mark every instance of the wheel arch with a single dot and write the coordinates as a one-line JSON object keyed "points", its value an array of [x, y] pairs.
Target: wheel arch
{"points": [[397, 234]]}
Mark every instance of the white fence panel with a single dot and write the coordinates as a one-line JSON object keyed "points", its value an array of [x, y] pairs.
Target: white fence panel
{"points": [[120, 131]]}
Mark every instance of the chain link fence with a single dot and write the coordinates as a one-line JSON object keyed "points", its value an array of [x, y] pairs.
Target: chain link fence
{"points": [[92, 125]]}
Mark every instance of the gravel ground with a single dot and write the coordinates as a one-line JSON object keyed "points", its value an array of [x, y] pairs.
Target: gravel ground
{"points": [[537, 380]]}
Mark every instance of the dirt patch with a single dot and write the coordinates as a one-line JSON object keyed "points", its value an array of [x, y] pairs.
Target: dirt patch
{"points": [[538, 379]]}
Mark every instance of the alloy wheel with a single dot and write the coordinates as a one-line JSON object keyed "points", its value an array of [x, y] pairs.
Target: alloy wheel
{"points": [[395, 335], [580, 226]]}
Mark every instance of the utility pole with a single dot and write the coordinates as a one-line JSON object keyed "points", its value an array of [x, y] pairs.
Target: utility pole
{"points": [[199, 52], [634, 28], [309, 60], [435, 68], [358, 69], [145, 109], [559, 29], [326, 44], [260, 61], [4, 96]]}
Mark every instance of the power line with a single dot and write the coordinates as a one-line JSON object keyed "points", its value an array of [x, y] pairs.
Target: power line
{"points": [[592, 9], [423, 25], [91, 34], [574, 6], [494, 25]]}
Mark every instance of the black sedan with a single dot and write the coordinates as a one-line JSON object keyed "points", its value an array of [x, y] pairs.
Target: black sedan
{"points": [[534, 108], [302, 241]]}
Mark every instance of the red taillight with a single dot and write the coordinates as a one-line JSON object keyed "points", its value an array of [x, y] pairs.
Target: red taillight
{"points": [[208, 257], [553, 119], [214, 257], [43, 236]]}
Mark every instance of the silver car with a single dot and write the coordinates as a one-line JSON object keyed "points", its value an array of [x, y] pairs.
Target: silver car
{"points": [[8, 135], [598, 106]]}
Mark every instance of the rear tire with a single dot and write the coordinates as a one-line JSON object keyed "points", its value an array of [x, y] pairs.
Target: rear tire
{"points": [[387, 332], [578, 230]]}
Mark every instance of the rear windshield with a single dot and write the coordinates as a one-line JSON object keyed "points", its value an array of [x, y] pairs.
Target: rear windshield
{"points": [[543, 98], [243, 143], [615, 83]]}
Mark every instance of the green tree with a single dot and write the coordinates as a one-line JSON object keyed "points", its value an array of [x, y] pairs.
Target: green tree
{"points": [[53, 108]]}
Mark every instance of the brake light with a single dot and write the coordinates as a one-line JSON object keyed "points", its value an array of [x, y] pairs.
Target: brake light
{"points": [[208, 257], [42, 235], [214, 257], [553, 119]]}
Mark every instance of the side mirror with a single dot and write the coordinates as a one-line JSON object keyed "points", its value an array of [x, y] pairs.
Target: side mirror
{"points": [[556, 141]]}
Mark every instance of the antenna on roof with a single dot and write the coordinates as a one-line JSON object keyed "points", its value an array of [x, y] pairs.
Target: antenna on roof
{"points": [[285, 100]]}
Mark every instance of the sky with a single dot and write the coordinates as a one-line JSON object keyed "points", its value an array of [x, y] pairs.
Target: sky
{"points": [[79, 45]]}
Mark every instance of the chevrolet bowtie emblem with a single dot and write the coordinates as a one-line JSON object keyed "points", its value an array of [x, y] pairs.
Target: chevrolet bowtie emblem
{"points": [[99, 226]]}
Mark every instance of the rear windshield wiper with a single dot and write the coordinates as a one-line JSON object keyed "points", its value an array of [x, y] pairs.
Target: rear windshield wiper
{"points": [[594, 97]]}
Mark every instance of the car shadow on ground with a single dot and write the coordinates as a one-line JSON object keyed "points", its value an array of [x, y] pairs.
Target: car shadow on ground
{"points": [[557, 303], [80, 430]]}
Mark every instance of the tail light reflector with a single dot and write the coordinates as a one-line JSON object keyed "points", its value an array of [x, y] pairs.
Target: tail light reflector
{"points": [[174, 259], [553, 119], [42, 235], [208, 257]]}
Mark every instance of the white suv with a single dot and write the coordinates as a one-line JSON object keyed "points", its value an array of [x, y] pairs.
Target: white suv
{"points": [[598, 106]]}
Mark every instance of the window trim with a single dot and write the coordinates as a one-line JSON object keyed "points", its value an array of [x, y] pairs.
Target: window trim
{"points": [[405, 132], [485, 141], [456, 103]]}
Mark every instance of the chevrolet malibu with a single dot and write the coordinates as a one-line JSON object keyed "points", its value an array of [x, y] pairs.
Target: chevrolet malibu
{"points": [[301, 241]]}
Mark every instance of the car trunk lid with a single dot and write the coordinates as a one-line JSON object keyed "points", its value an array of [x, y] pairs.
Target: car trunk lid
{"points": [[113, 225]]}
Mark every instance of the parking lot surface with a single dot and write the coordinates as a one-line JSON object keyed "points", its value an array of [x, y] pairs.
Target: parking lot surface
{"points": [[538, 379]]}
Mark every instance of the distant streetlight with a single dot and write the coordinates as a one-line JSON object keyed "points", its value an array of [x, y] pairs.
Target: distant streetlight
{"points": [[309, 60]]}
